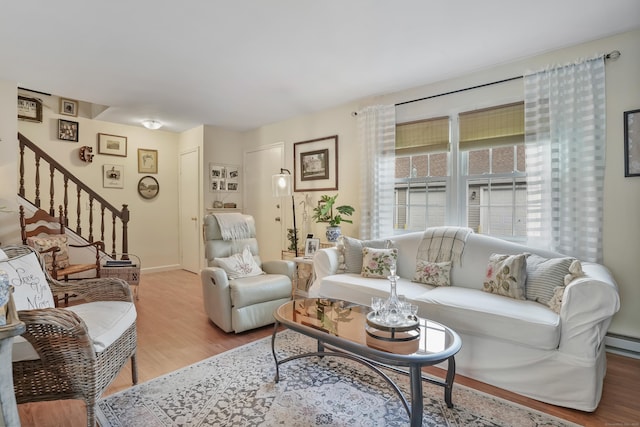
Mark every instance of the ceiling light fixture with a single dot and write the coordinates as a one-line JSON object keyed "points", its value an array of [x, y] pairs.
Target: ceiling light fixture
{"points": [[151, 124]]}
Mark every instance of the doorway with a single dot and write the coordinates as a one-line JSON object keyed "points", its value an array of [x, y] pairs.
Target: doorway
{"points": [[189, 210]]}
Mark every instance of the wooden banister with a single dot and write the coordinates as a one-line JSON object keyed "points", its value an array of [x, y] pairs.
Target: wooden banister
{"points": [[83, 192]]}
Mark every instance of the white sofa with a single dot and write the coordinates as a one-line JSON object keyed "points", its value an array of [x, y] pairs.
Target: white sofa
{"points": [[519, 345]]}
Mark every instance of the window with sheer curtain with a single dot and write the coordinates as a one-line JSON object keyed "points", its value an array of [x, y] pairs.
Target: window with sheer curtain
{"points": [[472, 175]]}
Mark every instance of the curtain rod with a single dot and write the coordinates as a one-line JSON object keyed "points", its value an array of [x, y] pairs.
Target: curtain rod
{"points": [[612, 55]]}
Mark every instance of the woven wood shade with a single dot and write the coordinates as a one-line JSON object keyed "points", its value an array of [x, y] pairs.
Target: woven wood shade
{"points": [[491, 127], [431, 135]]}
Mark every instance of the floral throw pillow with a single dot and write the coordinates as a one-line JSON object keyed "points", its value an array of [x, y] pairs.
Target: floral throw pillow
{"points": [[506, 275], [376, 262], [240, 265], [433, 273], [43, 243]]}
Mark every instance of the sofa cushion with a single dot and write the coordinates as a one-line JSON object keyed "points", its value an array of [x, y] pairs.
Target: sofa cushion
{"points": [[377, 262], [240, 265], [544, 275], [433, 273], [479, 313], [350, 252], [506, 275], [106, 322]]}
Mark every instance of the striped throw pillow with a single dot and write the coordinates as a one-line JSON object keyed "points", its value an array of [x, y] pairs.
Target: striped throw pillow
{"points": [[544, 275]]}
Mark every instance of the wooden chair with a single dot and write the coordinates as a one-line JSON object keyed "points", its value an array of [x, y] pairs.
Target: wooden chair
{"points": [[46, 234], [73, 352]]}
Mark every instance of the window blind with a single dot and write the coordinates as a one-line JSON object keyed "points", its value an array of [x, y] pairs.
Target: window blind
{"points": [[430, 135], [491, 127]]}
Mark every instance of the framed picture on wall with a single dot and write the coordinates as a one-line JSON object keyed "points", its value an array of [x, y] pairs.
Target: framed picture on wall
{"points": [[68, 130], [632, 143], [68, 107], [113, 176], [147, 161], [112, 145], [315, 164], [29, 109]]}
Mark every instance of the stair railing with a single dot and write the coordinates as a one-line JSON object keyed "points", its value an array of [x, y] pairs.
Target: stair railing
{"points": [[59, 176]]}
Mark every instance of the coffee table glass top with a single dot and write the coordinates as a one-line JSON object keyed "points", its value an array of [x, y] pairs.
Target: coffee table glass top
{"points": [[348, 321]]}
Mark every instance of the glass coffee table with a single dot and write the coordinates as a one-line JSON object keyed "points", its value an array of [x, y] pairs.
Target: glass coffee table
{"points": [[342, 330]]}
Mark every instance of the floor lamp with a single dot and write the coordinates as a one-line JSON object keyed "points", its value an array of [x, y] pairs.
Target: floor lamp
{"points": [[282, 185]]}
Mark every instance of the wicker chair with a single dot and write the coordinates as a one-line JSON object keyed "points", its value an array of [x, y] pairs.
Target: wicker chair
{"points": [[70, 364]]}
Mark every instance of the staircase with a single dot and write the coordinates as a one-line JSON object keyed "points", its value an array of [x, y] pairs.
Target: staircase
{"points": [[111, 225]]}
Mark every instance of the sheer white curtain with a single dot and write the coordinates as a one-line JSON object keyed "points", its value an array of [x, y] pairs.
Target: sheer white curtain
{"points": [[565, 149], [377, 139]]}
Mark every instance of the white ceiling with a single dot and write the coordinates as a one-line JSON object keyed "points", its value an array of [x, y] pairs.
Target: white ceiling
{"points": [[246, 63]]}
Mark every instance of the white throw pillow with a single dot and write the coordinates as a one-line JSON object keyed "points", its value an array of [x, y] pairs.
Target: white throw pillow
{"points": [[506, 275], [240, 265], [31, 289], [433, 273], [377, 262], [545, 275]]}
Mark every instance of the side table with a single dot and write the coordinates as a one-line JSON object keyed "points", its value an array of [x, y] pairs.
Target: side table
{"points": [[304, 276]]}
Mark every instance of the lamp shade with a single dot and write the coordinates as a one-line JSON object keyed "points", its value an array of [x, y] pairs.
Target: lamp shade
{"points": [[151, 124], [281, 185]]}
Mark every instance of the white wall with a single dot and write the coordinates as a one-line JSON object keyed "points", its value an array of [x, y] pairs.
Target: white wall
{"points": [[9, 232], [622, 195], [153, 226], [225, 148]]}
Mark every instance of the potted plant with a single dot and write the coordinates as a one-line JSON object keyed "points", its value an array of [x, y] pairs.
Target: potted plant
{"points": [[324, 212]]}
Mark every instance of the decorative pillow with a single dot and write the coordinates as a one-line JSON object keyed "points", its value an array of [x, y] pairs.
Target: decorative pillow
{"points": [[544, 275], [31, 289], [506, 275], [376, 262], [43, 243], [433, 273], [350, 252], [240, 265], [575, 271]]}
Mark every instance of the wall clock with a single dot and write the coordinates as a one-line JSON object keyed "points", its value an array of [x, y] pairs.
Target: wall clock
{"points": [[148, 187]]}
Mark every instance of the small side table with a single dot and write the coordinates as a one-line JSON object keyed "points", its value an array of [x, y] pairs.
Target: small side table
{"points": [[304, 276]]}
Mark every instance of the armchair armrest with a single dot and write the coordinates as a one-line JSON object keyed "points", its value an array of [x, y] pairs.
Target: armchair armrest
{"points": [[283, 267], [99, 289], [588, 305], [59, 336], [217, 296]]}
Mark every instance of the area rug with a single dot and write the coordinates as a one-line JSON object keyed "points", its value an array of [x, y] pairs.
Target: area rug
{"points": [[237, 388]]}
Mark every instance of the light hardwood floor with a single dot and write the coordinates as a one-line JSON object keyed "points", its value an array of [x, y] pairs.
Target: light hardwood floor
{"points": [[173, 332]]}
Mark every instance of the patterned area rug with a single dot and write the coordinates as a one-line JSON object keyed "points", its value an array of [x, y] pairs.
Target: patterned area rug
{"points": [[237, 388]]}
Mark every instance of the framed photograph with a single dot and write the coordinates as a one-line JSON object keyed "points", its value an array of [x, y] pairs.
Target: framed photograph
{"points": [[68, 107], [147, 161], [148, 187], [29, 109], [315, 164], [632, 143], [113, 176], [68, 130], [224, 177], [311, 246], [112, 145]]}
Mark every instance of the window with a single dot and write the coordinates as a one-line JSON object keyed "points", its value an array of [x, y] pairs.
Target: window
{"points": [[488, 193]]}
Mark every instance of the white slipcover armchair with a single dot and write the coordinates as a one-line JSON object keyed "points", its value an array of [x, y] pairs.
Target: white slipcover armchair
{"points": [[242, 303]]}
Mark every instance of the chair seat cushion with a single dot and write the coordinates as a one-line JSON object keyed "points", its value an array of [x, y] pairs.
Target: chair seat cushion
{"points": [[106, 321], [253, 290]]}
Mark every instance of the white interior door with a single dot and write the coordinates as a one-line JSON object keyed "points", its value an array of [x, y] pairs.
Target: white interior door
{"points": [[190, 183], [260, 165]]}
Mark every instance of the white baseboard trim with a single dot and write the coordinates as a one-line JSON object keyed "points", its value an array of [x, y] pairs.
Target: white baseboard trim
{"points": [[160, 269], [623, 345]]}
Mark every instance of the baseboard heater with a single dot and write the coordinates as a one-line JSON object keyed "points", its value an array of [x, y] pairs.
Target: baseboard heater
{"points": [[623, 345]]}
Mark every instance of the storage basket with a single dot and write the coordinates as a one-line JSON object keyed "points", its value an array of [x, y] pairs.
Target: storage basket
{"points": [[130, 274]]}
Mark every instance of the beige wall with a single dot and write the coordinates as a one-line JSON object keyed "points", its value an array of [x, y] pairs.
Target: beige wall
{"points": [[9, 231], [153, 230], [221, 147], [622, 195]]}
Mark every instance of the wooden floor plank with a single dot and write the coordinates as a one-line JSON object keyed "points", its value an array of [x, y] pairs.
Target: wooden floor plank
{"points": [[174, 331]]}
